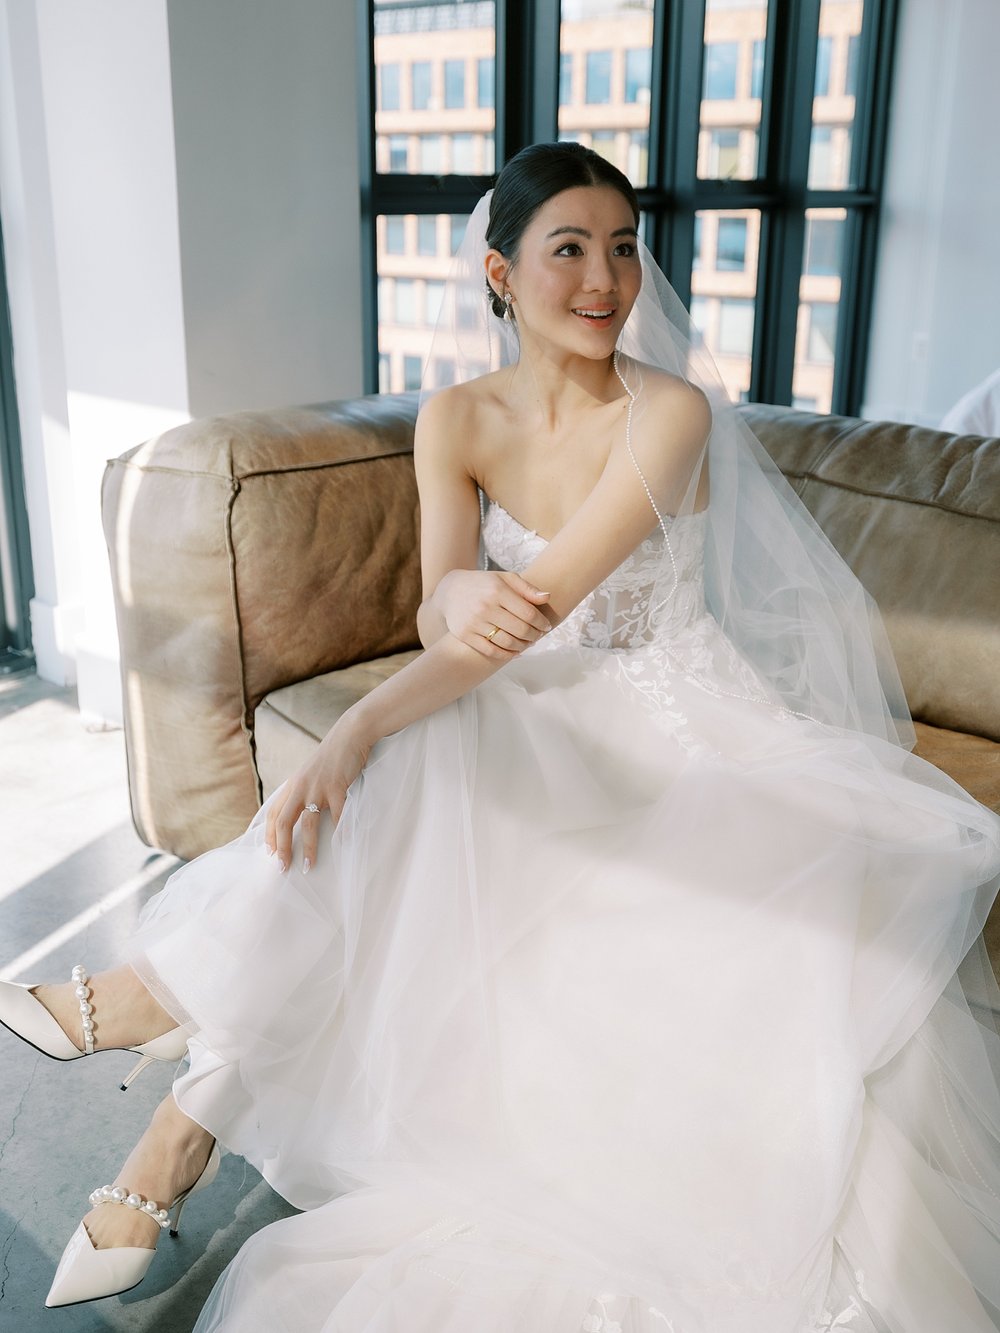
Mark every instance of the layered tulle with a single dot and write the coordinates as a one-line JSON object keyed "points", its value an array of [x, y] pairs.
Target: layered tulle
{"points": [[603, 1011]]}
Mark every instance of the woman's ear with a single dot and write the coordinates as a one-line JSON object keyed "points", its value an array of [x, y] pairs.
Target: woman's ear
{"points": [[497, 269]]}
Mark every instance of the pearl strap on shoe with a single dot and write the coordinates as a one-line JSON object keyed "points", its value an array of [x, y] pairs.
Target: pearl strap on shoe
{"points": [[83, 994], [118, 1194]]}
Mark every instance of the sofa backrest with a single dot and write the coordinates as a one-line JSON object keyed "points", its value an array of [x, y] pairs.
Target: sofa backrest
{"points": [[916, 514]]}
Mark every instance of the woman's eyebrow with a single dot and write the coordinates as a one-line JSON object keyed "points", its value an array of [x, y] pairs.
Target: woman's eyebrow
{"points": [[582, 231]]}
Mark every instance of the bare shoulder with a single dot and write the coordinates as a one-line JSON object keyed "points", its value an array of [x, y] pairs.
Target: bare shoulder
{"points": [[456, 416], [677, 401]]}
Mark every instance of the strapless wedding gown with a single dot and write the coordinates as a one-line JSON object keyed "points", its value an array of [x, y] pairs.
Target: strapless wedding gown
{"points": [[622, 1000]]}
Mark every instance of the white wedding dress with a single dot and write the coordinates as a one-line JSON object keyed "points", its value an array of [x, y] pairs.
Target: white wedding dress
{"points": [[622, 1000]]}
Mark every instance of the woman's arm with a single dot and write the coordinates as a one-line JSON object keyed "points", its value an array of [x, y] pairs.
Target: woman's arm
{"points": [[458, 597], [604, 531]]}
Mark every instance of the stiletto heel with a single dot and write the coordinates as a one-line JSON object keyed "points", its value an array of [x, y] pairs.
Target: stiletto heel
{"points": [[87, 1274], [26, 1016]]}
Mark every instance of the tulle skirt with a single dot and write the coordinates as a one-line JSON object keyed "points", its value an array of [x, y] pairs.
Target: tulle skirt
{"points": [[597, 1018]]}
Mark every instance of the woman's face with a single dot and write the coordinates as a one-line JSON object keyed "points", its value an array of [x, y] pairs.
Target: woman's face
{"points": [[577, 272]]}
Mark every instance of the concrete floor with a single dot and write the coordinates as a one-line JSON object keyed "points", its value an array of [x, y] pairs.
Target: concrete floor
{"points": [[73, 878]]}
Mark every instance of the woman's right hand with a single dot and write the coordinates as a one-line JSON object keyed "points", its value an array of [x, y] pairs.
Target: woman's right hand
{"points": [[495, 612]]}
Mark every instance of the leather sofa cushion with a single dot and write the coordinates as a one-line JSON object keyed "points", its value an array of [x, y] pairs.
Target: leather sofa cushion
{"points": [[289, 723]]}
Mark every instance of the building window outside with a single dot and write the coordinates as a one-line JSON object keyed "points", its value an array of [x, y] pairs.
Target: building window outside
{"points": [[433, 296], [822, 169], [638, 71], [731, 248], [696, 259], [420, 85], [412, 369], [605, 143], [431, 155], [463, 155], [456, 231], [851, 79], [735, 327], [724, 154], [824, 237], [566, 78], [427, 234], [824, 59], [384, 373], [721, 59], [637, 167], [757, 70], [598, 92], [486, 82], [406, 301], [395, 236], [388, 86], [822, 332], [454, 84], [398, 152], [444, 372]]}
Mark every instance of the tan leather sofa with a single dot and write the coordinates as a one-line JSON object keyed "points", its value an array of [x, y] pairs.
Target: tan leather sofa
{"points": [[266, 575]]}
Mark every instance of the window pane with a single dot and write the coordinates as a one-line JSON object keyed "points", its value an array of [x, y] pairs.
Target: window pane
{"points": [[432, 59], [824, 55], [412, 368], [458, 223], [565, 78], [731, 251], [720, 71], [638, 73], [605, 67], [757, 70], [388, 88], [820, 290], [724, 290], [454, 84], [598, 77], [426, 235], [412, 269], [834, 105], [394, 236], [732, 85], [420, 85], [486, 82]]}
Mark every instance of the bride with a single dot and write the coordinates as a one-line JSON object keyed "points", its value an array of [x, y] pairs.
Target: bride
{"points": [[600, 973]]}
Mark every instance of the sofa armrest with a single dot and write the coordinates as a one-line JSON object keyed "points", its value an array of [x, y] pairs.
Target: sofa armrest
{"points": [[248, 552]]}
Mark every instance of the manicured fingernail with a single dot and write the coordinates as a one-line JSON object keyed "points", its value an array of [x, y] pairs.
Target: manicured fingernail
{"points": [[269, 850], [306, 866], [281, 866]]}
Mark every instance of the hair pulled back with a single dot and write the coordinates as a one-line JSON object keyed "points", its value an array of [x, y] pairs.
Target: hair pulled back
{"points": [[530, 179]]}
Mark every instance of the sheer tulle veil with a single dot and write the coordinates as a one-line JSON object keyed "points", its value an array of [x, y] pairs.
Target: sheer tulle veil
{"points": [[773, 581]]}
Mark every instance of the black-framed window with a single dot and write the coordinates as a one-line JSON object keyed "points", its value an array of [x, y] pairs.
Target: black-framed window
{"points": [[753, 130]]}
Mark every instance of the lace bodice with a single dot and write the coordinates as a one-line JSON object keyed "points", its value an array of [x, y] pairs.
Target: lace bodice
{"points": [[655, 592]]}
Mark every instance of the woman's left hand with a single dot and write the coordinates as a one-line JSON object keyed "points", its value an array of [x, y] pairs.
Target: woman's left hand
{"points": [[322, 783]]}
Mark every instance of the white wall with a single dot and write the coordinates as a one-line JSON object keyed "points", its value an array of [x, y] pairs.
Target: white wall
{"points": [[265, 118], [179, 187], [936, 317]]}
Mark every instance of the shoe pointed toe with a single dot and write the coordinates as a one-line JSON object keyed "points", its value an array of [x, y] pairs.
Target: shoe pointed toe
{"points": [[87, 1274], [28, 1019]]}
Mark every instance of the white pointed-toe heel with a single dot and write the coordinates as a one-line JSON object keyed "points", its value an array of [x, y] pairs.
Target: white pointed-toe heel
{"points": [[25, 1016], [89, 1274]]}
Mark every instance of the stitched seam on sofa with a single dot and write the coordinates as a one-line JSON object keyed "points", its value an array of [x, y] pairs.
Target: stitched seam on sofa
{"points": [[266, 703], [885, 495], [246, 721], [404, 451]]}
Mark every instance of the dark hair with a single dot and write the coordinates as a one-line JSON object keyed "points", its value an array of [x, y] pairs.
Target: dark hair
{"points": [[531, 179]]}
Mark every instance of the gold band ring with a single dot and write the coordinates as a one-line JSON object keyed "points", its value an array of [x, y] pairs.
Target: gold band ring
{"points": [[494, 630]]}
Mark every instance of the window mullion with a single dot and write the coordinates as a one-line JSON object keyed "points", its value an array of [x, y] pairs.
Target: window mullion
{"points": [[783, 228]]}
